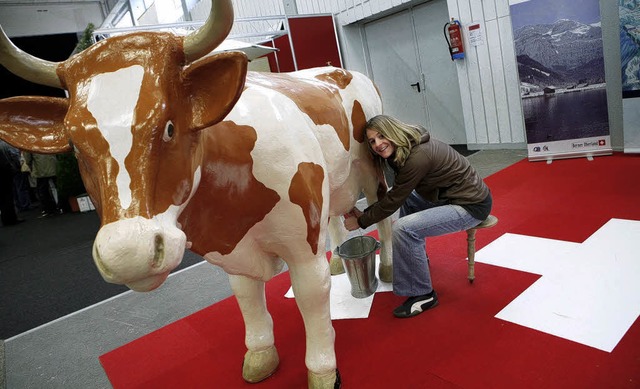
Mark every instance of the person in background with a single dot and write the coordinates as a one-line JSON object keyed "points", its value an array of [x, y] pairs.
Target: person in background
{"points": [[43, 169], [22, 187], [437, 192], [9, 166]]}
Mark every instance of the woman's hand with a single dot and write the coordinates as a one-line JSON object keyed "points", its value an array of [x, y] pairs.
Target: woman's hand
{"points": [[351, 219]]}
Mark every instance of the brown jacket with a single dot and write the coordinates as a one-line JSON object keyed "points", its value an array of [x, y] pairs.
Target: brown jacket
{"points": [[439, 174]]}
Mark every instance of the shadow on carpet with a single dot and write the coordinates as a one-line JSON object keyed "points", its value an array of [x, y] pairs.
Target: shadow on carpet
{"points": [[47, 271]]}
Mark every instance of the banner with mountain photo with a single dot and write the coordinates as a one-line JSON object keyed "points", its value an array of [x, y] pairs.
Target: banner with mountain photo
{"points": [[560, 58], [629, 11]]}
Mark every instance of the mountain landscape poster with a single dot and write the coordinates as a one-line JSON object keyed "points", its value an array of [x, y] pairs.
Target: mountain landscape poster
{"points": [[629, 11], [559, 51]]}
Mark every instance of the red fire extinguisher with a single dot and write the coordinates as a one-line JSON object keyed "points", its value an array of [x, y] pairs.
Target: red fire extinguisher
{"points": [[453, 35]]}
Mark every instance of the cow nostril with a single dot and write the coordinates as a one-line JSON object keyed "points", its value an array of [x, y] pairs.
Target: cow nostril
{"points": [[158, 252]]}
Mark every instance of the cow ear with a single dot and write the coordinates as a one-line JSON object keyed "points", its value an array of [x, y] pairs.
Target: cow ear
{"points": [[213, 85], [34, 123]]}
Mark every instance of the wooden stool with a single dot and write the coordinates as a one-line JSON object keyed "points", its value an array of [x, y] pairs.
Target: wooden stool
{"points": [[490, 221]]}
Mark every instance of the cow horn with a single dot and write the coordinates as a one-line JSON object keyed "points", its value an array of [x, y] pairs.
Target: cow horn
{"points": [[202, 41], [27, 66]]}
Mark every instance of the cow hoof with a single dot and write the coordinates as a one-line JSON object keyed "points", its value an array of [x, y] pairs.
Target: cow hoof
{"points": [[386, 273], [335, 265], [324, 381], [259, 365]]}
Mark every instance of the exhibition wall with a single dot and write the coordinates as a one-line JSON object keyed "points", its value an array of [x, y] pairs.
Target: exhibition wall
{"points": [[488, 85], [488, 76]]}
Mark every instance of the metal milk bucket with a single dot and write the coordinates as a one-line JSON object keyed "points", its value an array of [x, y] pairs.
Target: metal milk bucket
{"points": [[359, 259]]}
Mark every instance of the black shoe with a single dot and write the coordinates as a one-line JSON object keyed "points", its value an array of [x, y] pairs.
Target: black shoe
{"points": [[416, 305]]}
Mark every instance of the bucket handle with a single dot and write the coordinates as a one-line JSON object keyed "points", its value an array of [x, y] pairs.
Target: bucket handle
{"points": [[378, 245]]}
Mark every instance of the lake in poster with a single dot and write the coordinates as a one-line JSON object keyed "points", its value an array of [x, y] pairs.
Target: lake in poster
{"points": [[562, 81]]}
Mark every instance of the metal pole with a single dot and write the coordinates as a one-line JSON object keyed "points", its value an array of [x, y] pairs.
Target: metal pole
{"points": [[293, 51]]}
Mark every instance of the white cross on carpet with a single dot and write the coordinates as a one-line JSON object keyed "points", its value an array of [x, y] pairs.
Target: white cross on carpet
{"points": [[588, 293], [345, 306]]}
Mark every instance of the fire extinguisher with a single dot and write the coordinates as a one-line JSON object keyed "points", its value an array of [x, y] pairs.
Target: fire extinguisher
{"points": [[453, 36]]}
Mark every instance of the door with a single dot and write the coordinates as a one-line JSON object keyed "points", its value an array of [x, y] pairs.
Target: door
{"points": [[441, 78], [395, 67], [412, 68]]}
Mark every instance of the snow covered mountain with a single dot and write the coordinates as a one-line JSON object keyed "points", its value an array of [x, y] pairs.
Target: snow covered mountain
{"points": [[630, 46], [569, 50]]}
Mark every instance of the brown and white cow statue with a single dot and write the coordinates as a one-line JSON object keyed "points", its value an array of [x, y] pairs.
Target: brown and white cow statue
{"points": [[182, 150]]}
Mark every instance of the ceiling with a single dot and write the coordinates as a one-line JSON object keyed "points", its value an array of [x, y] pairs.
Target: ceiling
{"points": [[48, 17]]}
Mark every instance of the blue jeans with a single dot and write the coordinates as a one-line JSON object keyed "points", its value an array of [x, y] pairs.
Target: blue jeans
{"points": [[418, 220]]}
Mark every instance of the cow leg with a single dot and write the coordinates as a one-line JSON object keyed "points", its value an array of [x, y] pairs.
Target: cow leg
{"points": [[311, 284], [261, 358], [385, 271], [337, 233]]}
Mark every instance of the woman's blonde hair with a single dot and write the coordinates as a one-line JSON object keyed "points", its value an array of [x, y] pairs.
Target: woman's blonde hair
{"points": [[402, 135]]}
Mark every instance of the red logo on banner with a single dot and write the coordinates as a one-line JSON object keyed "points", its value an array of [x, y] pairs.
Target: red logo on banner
{"points": [[602, 142]]}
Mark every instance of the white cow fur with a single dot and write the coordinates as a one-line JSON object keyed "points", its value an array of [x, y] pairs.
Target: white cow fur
{"points": [[112, 99]]}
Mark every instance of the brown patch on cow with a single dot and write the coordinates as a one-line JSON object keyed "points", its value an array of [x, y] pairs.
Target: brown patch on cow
{"points": [[161, 56], [98, 169], [92, 187], [212, 86], [34, 123], [229, 200], [321, 101], [151, 50], [338, 77], [306, 191], [359, 121]]}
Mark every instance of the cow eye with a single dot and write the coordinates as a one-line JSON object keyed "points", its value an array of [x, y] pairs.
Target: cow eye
{"points": [[168, 132]]}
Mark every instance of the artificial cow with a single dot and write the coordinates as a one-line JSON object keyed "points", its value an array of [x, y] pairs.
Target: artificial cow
{"points": [[182, 150]]}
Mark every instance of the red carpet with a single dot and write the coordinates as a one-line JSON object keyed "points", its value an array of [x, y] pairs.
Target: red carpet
{"points": [[459, 344]]}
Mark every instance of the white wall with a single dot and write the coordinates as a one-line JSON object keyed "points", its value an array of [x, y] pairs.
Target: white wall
{"points": [[242, 8], [487, 76]]}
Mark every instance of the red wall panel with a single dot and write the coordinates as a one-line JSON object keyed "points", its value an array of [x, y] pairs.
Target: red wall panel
{"points": [[314, 43]]}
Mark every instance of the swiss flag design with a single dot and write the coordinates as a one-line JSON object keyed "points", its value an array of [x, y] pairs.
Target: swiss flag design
{"points": [[461, 343]]}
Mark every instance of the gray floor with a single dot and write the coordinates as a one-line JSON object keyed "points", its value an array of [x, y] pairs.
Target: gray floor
{"points": [[64, 353]]}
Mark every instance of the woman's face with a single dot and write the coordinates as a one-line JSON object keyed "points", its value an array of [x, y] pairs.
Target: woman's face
{"points": [[379, 144]]}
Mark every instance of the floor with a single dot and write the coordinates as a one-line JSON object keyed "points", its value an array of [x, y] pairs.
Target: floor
{"points": [[64, 353]]}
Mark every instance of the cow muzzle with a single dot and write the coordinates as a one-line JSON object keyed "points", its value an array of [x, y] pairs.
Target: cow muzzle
{"points": [[139, 253]]}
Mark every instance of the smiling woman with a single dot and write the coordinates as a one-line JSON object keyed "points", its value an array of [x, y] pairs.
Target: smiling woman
{"points": [[379, 144], [389, 136], [437, 192]]}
